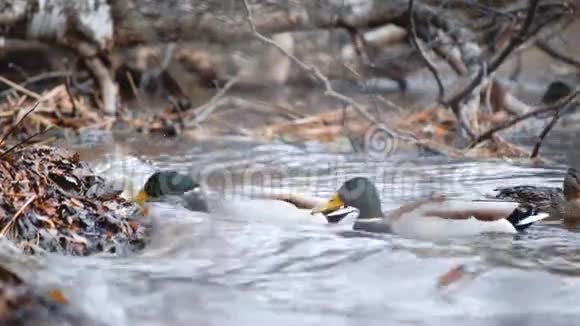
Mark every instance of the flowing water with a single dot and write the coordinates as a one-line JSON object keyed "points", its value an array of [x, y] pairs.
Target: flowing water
{"points": [[217, 270]]}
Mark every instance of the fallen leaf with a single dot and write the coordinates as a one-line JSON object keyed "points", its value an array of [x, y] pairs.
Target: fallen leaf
{"points": [[453, 275], [57, 296]]}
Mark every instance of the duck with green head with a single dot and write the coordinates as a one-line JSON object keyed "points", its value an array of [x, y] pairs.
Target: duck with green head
{"points": [[171, 183], [432, 218]]}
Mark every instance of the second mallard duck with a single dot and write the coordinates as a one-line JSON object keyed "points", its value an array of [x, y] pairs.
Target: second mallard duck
{"points": [[559, 203], [433, 218]]}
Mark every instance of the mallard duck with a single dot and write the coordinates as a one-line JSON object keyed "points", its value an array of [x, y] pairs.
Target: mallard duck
{"points": [[432, 218], [559, 203], [163, 184], [276, 207], [546, 199]]}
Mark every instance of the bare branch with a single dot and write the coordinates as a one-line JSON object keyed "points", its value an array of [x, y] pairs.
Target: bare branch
{"points": [[426, 60], [518, 40], [315, 72], [205, 110], [11, 130], [20, 88], [549, 50], [549, 108], [549, 127], [24, 142], [515, 42]]}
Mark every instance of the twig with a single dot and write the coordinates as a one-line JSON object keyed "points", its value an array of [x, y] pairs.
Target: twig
{"points": [[519, 39], [175, 103], [552, 107], [488, 10], [20, 88], [454, 103], [19, 69], [133, 86], [548, 128], [70, 96], [358, 43], [365, 88], [318, 75], [11, 130], [549, 50], [40, 77], [154, 74], [428, 63], [7, 227], [205, 110], [29, 138]]}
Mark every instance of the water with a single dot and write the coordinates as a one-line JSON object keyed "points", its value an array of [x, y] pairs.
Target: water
{"points": [[218, 270]]}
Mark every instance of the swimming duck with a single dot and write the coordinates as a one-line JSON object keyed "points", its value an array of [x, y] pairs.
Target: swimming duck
{"points": [[433, 218], [163, 184], [274, 207], [559, 203]]}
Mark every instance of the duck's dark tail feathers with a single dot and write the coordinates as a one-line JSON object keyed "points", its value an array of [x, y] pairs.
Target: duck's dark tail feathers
{"points": [[524, 216]]}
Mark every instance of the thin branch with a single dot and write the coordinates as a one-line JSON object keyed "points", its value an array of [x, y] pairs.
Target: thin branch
{"points": [[487, 70], [25, 141], [426, 60], [549, 108], [20, 88], [454, 103], [8, 225], [70, 96], [205, 110], [133, 86], [318, 75], [488, 10], [38, 78], [11, 130], [518, 40], [549, 127], [492, 67], [549, 50], [358, 43]]}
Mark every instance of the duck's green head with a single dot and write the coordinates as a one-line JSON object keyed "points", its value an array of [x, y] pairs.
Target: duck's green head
{"points": [[357, 192], [165, 183], [572, 184]]}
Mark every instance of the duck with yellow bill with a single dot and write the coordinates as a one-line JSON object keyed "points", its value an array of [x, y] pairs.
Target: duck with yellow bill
{"points": [[432, 218]]}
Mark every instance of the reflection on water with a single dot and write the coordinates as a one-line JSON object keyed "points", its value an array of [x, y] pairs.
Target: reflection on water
{"points": [[217, 270]]}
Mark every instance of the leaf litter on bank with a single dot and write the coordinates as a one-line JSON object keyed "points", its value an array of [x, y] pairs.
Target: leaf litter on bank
{"points": [[51, 201]]}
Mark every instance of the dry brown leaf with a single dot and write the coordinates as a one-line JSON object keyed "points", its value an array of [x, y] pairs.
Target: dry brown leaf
{"points": [[454, 275], [57, 296]]}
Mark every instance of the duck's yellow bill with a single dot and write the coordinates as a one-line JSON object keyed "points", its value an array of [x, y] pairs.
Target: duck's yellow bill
{"points": [[142, 197], [330, 206]]}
